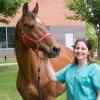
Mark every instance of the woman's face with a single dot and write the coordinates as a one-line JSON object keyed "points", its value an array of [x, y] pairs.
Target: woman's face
{"points": [[81, 51]]}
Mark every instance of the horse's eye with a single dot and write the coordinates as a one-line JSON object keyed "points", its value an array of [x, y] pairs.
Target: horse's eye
{"points": [[31, 26]]}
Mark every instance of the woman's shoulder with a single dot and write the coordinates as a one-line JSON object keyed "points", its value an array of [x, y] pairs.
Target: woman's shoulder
{"points": [[94, 65], [94, 68]]}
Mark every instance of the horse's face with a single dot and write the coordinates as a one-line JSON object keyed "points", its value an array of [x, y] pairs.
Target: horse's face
{"points": [[35, 35]]}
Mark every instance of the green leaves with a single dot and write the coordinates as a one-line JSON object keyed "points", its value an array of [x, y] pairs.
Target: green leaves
{"points": [[88, 10], [8, 8]]}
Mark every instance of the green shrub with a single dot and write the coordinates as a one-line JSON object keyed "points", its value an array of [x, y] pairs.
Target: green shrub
{"points": [[90, 34]]}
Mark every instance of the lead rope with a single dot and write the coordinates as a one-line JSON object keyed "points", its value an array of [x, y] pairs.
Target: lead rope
{"points": [[39, 77], [39, 73]]}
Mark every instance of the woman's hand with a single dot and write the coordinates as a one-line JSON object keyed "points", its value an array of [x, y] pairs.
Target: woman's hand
{"points": [[98, 97], [49, 70], [45, 59]]}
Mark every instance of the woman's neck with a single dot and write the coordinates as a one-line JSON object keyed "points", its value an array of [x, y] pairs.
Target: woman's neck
{"points": [[81, 63]]}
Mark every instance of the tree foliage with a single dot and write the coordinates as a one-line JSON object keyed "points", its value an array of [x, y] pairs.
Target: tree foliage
{"points": [[8, 8], [89, 11], [90, 34]]}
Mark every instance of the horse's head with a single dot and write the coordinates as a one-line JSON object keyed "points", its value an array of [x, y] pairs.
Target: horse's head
{"points": [[34, 33]]}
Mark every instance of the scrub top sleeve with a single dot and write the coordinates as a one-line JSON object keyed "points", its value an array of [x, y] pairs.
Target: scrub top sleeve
{"points": [[60, 75], [96, 77]]}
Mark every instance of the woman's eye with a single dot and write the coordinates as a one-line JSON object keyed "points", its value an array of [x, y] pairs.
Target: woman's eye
{"points": [[77, 48], [83, 48]]}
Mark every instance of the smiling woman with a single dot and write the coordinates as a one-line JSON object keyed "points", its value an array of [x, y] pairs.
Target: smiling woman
{"points": [[83, 51], [82, 76]]}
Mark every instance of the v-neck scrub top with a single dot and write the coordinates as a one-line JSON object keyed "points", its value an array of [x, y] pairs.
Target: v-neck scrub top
{"points": [[81, 84]]}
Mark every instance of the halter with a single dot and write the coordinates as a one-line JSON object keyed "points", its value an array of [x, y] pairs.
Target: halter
{"points": [[26, 37], [37, 41]]}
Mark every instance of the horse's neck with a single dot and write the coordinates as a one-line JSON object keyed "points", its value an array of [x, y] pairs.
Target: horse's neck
{"points": [[27, 59]]}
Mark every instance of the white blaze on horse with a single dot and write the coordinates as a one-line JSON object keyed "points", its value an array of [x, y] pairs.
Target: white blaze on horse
{"points": [[32, 40]]}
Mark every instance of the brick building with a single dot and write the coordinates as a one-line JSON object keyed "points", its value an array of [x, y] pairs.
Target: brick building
{"points": [[53, 13]]}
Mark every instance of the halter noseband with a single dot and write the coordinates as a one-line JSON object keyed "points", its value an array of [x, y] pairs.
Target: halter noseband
{"points": [[26, 37]]}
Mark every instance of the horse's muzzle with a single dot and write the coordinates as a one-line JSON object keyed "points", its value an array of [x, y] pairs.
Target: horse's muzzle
{"points": [[53, 52]]}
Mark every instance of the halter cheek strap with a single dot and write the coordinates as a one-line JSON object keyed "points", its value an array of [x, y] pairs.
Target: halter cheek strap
{"points": [[37, 41]]}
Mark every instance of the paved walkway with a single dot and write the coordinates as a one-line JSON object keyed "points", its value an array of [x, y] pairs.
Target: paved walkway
{"points": [[7, 64]]}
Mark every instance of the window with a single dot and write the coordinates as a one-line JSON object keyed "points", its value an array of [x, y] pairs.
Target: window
{"points": [[7, 37], [2, 37], [10, 36], [69, 39]]}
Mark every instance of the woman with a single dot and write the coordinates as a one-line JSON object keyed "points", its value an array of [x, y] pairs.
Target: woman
{"points": [[82, 77]]}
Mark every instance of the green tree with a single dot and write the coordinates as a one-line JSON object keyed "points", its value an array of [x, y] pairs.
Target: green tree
{"points": [[89, 11], [90, 34], [8, 8]]}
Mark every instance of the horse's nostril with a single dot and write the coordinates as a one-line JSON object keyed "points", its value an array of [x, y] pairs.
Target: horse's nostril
{"points": [[55, 51]]}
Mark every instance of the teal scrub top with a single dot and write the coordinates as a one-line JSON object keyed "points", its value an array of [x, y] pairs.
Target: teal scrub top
{"points": [[81, 83]]}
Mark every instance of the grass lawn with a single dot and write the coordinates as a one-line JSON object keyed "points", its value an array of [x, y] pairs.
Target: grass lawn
{"points": [[98, 61], [8, 60], [8, 89]]}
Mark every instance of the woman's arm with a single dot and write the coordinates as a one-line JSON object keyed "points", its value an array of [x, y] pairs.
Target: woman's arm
{"points": [[98, 97], [49, 70]]}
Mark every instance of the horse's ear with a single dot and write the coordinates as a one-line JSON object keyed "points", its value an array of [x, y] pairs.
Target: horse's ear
{"points": [[35, 10], [25, 8]]}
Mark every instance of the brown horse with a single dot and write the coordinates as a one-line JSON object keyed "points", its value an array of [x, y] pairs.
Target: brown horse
{"points": [[32, 41]]}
